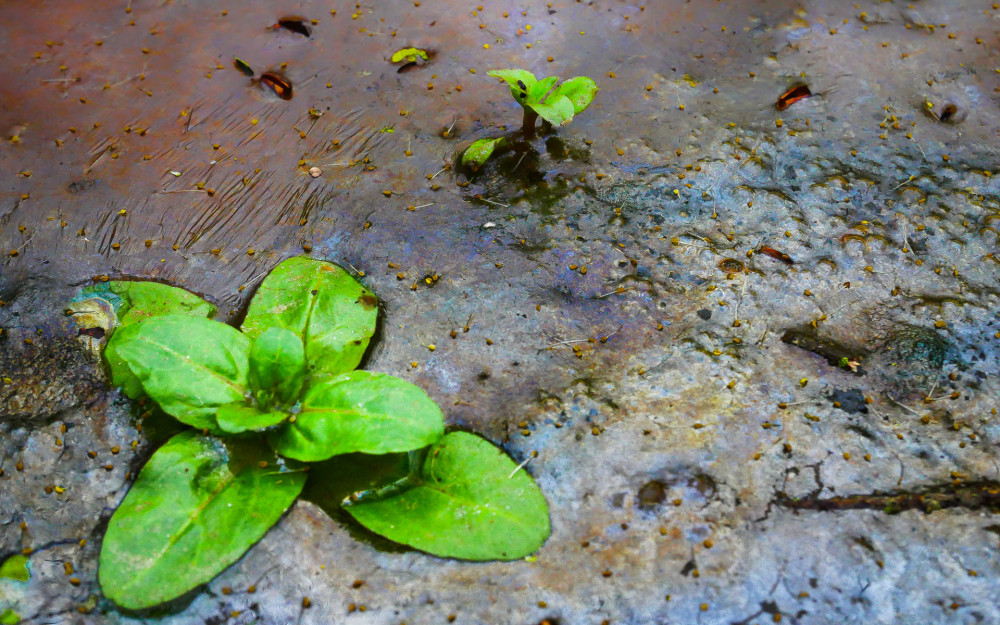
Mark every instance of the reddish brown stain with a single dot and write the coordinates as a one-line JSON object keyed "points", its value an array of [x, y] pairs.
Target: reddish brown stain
{"points": [[368, 300]]}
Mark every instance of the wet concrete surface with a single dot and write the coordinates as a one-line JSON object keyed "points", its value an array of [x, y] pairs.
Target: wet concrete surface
{"points": [[681, 383]]}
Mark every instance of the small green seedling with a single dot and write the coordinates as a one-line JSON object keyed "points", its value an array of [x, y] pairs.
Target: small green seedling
{"points": [[408, 58], [264, 400], [409, 55], [556, 107], [539, 99]]}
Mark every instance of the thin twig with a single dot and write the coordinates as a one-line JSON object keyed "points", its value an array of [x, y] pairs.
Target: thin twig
{"points": [[906, 241], [28, 240], [98, 160], [927, 395], [914, 412], [519, 161], [612, 334], [617, 291], [700, 247], [569, 342], [520, 466], [739, 298], [263, 273], [355, 269]]}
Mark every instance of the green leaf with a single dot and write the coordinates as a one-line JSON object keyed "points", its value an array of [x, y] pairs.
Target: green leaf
{"points": [[471, 502], [477, 153], [197, 506], [519, 81], [539, 90], [277, 367], [16, 568], [319, 301], [121, 374], [360, 411], [242, 65], [188, 365], [557, 110], [409, 55], [144, 300], [9, 617], [580, 91], [134, 302], [237, 418]]}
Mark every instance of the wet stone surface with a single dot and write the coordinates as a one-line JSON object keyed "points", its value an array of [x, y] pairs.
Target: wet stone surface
{"points": [[755, 350]]}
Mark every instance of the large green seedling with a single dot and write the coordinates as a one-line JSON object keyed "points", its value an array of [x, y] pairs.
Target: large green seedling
{"points": [[556, 105], [268, 398]]}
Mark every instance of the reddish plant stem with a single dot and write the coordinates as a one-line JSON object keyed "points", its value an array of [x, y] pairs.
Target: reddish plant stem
{"points": [[528, 123]]}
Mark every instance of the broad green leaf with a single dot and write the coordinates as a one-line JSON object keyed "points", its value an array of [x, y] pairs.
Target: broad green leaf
{"points": [[477, 153], [237, 418], [15, 567], [121, 374], [323, 304], [188, 365], [143, 300], [360, 411], [134, 302], [519, 81], [580, 91], [409, 55], [196, 507], [538, 91], [471, 501], [557, 110], [9, 617], [277, 367]]}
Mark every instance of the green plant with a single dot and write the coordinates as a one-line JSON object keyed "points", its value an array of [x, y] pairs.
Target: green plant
{"points": [[9, 617], [265, 401], [15, 567], [409, 55], [538, 98], [477, 153], [556, 105]]}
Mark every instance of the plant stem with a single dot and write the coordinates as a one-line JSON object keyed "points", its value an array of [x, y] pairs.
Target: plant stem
{"points": [[528, 123]]}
